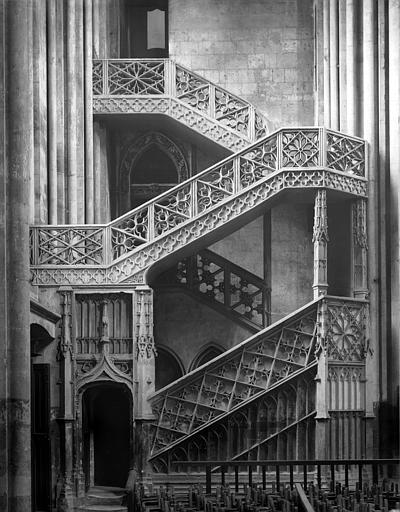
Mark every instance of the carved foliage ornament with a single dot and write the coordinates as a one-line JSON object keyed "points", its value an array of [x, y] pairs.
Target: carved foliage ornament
{"points": [[145, 348], [320, 231], [359, 212]]}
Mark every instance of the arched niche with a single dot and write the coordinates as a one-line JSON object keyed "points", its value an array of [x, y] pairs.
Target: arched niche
{"points": [[150, 165], [168, 367], [206, 353]]}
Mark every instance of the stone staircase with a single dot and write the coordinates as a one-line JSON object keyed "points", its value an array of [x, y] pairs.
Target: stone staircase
{"points": [[199, 211], [105, 499], [241, 404], [161, 86]]}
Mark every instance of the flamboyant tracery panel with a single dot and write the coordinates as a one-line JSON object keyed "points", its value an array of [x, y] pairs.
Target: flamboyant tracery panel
{"points": [[244, 373], [124, 79], [278, 426], [346, 335], [219, 282], [103, 328], [193, 209], [271, 375]]}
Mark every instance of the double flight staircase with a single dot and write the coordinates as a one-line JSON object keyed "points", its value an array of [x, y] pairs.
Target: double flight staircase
{"points": [[257, 399]]}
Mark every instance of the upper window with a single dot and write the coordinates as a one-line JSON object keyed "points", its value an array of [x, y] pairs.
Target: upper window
{"points": [[144, 29], [156, 29]]}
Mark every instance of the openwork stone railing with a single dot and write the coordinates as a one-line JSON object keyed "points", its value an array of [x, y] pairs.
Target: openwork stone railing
{"points": [[121, 250], [229, 288], [268, 381], [162, 86]]}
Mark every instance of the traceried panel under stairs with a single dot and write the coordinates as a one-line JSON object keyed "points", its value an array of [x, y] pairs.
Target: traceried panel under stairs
{"points": [[161, 86], [199, 210], [226, 287], [214, 393], [257, 400]]}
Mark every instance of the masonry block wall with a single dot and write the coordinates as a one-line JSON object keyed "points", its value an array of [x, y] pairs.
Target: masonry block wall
{"points": [[261, 50]]}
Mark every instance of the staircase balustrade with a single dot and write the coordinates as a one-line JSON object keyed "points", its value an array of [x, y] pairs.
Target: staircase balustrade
{"points": [[239, 185], [150, 86], [227, 287], [248, 402]]}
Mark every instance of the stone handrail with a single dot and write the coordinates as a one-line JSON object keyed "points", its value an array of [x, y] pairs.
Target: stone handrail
{"points": [[128, 78], [288, 158], [228, 288]]}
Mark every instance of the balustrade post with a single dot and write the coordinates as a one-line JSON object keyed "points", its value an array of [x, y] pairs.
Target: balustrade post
{"points": [[151, 233], [169, 77], [193, 195], [279, 150], [211, 100], [320, 240], [252, 124], [359, 251], [108, 255], [66, 417], [323, 147], [105, 77]]}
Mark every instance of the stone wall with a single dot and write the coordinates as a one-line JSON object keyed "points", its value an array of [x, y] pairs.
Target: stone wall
{"points": [[186, 326], [244, 247], [291, 258], [261, 50]]}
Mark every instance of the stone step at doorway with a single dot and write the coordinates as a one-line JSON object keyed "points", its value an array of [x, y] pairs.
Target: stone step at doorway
{"points": [[105, 499]]}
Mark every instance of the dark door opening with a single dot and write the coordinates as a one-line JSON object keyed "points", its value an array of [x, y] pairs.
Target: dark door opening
{"points": [[107, 439], [41, 454]]}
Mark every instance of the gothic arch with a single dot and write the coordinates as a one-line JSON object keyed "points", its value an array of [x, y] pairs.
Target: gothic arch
{"points": [[135, 149], [211, 349]]}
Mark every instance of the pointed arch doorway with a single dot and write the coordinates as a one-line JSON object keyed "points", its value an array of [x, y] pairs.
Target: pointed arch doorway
{"points": [[107, 434]]}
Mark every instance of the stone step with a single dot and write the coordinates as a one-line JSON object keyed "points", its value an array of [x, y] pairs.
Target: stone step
{"points": [[102, 499], [103, 508]]}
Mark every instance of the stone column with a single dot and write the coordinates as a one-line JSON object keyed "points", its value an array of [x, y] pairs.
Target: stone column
{"points": [[370, 133], [321, 400], [66, 418], [145, 351], [359, 249], [334, 61], [394, 150], [342, 70], [16, 132], [320, 240], [145, 376], [326, 51], [72, 113], [89, 190], [351, 68], [52, 109]]}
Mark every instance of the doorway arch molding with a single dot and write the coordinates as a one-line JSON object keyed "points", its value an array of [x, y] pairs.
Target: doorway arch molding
{"points": [[106, 370], [136, 148]]}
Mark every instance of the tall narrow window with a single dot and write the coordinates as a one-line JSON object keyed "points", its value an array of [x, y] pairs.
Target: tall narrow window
{"points": [[144, 29], [155, 29]]}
